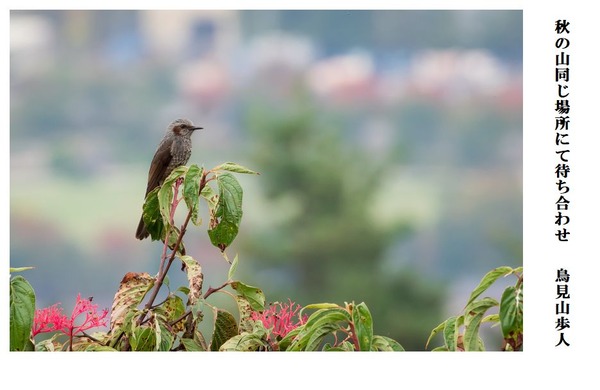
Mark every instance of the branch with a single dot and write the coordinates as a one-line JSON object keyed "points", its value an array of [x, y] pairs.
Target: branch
{"points": [[211, 290], [161, 276], [182, 317], [85, 335]]}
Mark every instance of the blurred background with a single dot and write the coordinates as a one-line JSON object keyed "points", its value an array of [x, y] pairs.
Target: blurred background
{"points": [[389, 145]]}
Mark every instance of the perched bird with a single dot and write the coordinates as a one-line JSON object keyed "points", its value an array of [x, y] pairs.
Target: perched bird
{"points": [[174, 150]]}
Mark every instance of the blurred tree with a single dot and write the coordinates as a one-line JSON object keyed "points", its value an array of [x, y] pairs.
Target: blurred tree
{"points": [[321, 242]]}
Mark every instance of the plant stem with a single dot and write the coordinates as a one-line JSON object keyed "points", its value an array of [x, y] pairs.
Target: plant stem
{"points": [[182, 317], [175, 201], [353, 336], [174, 205], [71, 339], [213, 290], [161, 277], [163, 257]]}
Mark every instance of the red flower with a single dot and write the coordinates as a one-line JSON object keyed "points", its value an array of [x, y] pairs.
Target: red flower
{"points": [[92, 318], [52, 319], [279, 317]]}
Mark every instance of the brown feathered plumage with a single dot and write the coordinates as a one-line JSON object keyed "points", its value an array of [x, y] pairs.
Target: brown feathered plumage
{"points": [[174, 150]]}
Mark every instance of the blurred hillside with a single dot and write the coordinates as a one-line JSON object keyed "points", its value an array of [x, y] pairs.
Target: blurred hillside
{"points": [[389, 145]]}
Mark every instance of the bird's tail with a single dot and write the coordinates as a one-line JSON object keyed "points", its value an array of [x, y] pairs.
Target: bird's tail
{"points": [[141, 231]]}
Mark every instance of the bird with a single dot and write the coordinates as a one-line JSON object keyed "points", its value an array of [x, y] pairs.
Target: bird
{"points": [[173, 151]]}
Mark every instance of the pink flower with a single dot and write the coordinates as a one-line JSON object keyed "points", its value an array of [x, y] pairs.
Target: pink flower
{"points": [[279, 317], [52, 319], [92, 318]]}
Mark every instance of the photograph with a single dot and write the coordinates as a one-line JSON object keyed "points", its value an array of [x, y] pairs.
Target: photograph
{"points": [[297, 180]]}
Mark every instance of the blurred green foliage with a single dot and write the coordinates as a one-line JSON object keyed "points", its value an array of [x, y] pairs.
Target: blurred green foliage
{"points": [[328, 246]]}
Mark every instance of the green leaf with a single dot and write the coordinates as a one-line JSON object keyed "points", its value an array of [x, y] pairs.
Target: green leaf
{"points": [[199, 339], [99, 348], [323, 305], [192, 345], [451, 331], [22, 310], [254, 295], [481, 305], [245, 310], [319, 324], [164, 338], [232, 267], [317, 306], [197, 310], [248, 341], [225, 328], [143, 339], [435, 331], [172, 309], [20, 269], [471, 339], [183, 289], [49, 345], [244, 342], [474, 314], [285, 342], [225, 219], [173, 238], [233, 167], [511, 311], [318, 334], [488, 280], [495, 318], [151, 214], [191, 191], [132, 290], [195, 279], [165, 193], [348, 347], [383, 343], [363, 325], [212, 199]]}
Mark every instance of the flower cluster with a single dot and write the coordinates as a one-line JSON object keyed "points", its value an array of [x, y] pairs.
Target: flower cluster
{"points": [[52, 319], [279, 317]]}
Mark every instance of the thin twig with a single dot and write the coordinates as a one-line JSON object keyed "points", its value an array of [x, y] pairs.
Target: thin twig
{"points": [[211, 290], [90, 337], [182, 317]]}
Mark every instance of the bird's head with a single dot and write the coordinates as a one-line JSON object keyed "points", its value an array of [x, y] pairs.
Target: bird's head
{"points": [[183, 127]]}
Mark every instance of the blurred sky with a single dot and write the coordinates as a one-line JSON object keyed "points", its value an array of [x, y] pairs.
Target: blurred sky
{"points": [[434, 98]]}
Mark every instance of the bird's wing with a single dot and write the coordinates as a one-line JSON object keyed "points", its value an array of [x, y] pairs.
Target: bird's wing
{"points": [[158, 167]]}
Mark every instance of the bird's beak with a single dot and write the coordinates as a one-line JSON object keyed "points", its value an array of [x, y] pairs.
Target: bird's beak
{"points": [[197, 128]]}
